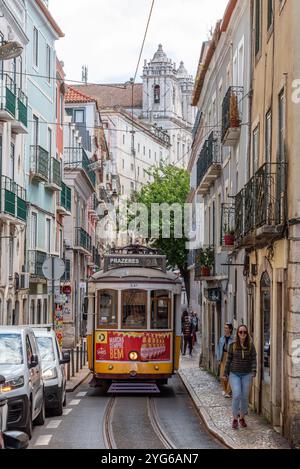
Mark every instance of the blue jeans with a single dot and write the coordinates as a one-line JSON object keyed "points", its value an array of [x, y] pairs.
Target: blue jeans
{"points": [[240, 384]]}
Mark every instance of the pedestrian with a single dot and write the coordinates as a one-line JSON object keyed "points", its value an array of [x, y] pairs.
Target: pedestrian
{"points": [[241, 369], [221, 356], [187, 331], [194, 319]]}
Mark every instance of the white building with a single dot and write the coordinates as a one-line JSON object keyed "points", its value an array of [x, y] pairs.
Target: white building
{"points": [[13, 197]]}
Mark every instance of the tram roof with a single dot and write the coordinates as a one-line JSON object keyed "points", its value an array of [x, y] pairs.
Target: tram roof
{"points": [[136, 273]]}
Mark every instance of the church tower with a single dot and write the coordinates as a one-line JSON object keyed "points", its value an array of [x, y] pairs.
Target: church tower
{"points": [[167, 98]]}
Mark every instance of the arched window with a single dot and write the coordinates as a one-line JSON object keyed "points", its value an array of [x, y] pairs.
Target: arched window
{"points": [[45, 311], [156, 94], [39, 311], [32, 312], [265, 295]]}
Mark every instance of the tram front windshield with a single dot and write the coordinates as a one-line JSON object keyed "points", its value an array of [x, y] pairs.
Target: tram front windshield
{"points": [[134, 309]]}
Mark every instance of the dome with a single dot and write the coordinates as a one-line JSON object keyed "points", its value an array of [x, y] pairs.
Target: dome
{"points": [[160, 55], [182, 71]]}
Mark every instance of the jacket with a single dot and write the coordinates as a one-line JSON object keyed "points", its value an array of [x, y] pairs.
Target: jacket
{"points": [[220, 347]]}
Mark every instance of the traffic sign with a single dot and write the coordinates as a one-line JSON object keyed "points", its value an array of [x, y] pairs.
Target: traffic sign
{"points": [[53, 268]]}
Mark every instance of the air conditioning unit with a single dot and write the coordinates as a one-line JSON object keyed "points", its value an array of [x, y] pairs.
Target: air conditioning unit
{"points": [[24, 280]]}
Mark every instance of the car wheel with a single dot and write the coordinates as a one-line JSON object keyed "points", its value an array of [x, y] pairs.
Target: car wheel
{"points": [[28, 427], [40, 420]]}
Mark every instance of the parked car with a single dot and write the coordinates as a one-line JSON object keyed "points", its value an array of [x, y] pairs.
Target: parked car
{"points": [[14, 439], [53, 368], [24, 388]]}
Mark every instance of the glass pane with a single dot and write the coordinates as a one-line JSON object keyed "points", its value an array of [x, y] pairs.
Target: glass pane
{"points": [[46, 349], [11, 349], [134, 309], [160, 310], [107, 309]]}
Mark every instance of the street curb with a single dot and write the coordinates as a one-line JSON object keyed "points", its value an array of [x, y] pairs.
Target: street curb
{"points": [[210, 426], [79, 382]]}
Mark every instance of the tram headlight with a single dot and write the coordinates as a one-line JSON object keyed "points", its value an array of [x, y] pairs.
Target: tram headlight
{"points": [[133, 356]]}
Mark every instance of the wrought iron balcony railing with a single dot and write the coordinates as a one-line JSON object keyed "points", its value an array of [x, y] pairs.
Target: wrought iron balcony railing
{"points": [[231, 115], [54, 181], [8, 95], [36, 260], [65, 199], [227, 225], [39, 163], [262, 205], [83, 239], [22, 108], [77, 158], [209, 162], [13, 199], [204, 262]]}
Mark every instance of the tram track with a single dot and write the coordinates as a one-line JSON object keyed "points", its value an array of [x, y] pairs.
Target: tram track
{"points": [[153, 419]]}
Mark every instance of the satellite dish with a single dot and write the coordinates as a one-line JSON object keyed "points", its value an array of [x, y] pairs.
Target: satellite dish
{"points": [[10, 50]]}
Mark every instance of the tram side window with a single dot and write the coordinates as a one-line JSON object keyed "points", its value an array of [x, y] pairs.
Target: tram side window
{"points": [[160, 309], [134, 309], [107, 309]]}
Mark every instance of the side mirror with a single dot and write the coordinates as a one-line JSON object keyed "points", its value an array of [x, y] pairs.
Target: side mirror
{"points": [[2, 380], [65, 358], [15, 440], [34, 361]]}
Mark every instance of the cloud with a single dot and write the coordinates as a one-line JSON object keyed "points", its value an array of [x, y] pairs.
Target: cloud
{"points": [[106, 35]]}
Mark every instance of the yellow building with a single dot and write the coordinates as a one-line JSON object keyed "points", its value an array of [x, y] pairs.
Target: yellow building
{"points": [[268, 213]]}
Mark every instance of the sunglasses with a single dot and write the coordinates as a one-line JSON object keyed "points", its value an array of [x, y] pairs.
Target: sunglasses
{"points": [[243, 332]]}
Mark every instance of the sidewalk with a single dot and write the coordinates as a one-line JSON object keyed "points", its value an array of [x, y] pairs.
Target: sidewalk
{"points": [[215, 410], [79, 377]]}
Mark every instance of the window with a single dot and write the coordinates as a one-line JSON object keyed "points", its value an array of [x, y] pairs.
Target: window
{"points": [[160, 310], [29, 352], [48, 235], [132, 186], [281, 124], [12, 162], [34, 230], [50, 142], [139, 147], [156, 94], [257, 26], [123, 139], [48, 62], [35, 130], [35, 47], [268, 137], [62, 112], [144, 151], [107, 313], [149, 153], [79, 116], [270, 13], [255, 153], [132, 167], [134, 309]]}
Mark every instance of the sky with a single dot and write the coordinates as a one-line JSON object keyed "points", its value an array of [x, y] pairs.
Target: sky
{"points": [[107, 35]]}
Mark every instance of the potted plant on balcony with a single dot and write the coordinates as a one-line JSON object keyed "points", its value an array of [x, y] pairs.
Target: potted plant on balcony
{"points": [[206, 258], [228, 236], [234, 111]]}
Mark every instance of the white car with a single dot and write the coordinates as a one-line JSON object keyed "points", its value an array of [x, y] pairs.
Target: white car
{"points": [[53, 368], [20, 364]]}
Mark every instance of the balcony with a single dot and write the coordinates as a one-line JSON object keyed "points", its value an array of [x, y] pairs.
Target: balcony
{"points": [[13, 205], [227, 227], [8, 98], [76, 158], [39, 163], [209, 165], [261, 206], [64, 206], [94, 203], [83, 242], [36, 260], [54, 181], [231, 116], [204, 263], [20, 124]]}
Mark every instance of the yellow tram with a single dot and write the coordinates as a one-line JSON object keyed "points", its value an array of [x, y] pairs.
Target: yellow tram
{"points": [[134, 318]]}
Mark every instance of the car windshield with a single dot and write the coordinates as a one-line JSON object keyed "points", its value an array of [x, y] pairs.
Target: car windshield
{"points": [[11, 349], [46, 349]]}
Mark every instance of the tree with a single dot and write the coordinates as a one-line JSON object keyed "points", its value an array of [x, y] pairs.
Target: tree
{"points": [[170, 186]]}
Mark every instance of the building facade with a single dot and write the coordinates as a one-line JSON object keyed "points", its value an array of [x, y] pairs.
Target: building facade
{"points": [[13, 194]]}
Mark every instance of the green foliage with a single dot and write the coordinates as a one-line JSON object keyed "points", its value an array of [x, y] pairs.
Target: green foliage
{"points": [[205, 257], [170, 185]]}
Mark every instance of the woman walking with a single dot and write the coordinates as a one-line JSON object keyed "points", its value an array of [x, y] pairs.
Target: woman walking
{"points": [[241, 369], [221, 355]]}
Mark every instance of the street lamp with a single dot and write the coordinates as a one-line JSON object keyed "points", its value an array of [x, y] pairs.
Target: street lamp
{"points": [[10, 50]]}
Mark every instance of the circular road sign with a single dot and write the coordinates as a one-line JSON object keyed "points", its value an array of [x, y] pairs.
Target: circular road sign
{"points": [[53, 268]]}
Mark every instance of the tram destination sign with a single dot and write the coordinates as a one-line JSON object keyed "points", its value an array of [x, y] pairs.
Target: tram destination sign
{"points": [[116, 261]]}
